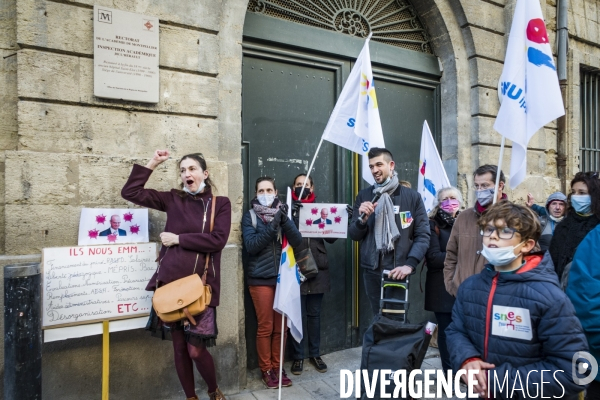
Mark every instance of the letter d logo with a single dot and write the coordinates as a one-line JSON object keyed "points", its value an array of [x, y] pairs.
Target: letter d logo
{"points": [[579, 367]]}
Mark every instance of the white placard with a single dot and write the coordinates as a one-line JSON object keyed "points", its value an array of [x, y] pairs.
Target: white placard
{"points": [[512, 322], [112, 226], [70, 332], [323, 220], [96, 283], [125, 55]]}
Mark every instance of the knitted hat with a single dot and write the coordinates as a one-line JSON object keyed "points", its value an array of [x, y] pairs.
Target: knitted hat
{"points": [[556, 196]]}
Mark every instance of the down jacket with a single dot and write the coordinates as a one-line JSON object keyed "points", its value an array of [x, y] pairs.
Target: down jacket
{"points": [[264, 248], [413, 243], [489, 300], [583, 289]]}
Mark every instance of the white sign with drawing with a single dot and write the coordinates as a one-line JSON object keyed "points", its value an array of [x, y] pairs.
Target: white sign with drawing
{"points": [[125, 55], [113, 225], [323, 220], [96, 283]]}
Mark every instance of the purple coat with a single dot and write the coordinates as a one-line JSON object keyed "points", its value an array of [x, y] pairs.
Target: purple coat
{"points": [[186, 218]]}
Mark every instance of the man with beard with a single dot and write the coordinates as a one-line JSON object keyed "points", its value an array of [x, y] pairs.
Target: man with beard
{"points": [[394, 233]]}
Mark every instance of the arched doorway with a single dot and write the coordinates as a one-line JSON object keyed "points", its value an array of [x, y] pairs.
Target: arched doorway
{"points": [[296, 58]]}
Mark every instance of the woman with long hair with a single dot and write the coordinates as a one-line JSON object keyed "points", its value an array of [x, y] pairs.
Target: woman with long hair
{"points": [[263, 226], [437, 299], [187, 242]]}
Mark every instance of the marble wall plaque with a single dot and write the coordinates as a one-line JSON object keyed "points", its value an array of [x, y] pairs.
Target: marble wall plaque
{"points": [[125, 55]]}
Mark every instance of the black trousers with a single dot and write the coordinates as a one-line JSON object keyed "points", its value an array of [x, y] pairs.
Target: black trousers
{"points": [[372, 281], [593, 391]]}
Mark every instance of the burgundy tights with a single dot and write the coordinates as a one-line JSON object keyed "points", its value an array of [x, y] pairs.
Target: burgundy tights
{"points": [[184, 354]]}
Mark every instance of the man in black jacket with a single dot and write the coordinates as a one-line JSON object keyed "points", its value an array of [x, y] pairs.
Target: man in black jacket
{"points": [[394, 233]]}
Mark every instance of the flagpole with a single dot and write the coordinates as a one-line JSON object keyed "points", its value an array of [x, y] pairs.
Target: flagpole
{"points": [[281, 350], [499, 169], [310, 168]]}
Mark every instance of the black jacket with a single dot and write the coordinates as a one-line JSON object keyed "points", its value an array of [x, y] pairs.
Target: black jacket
{"points": [[567, 236], [413, 242], [437, 299], [321, 282], [264, 249]]}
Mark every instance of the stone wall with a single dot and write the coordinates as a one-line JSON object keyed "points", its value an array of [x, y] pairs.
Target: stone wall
{"points": [[485, 27], [62, 148], [470, 37], [584, 50]]}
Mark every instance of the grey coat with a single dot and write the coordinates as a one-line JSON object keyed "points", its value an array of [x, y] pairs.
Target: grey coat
{"points": [[413, 242]]}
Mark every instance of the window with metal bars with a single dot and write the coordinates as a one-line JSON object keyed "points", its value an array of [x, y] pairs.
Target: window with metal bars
{"points": [[589, 150]]}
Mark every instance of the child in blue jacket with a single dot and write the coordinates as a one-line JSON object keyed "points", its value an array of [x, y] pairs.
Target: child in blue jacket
{"points": [[512, 322]]}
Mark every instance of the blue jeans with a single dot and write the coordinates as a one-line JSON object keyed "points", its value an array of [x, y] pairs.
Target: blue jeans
{"points": [[311, 307]]}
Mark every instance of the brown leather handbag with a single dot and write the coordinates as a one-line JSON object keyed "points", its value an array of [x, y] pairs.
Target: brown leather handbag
{"points": [[187, 296]]}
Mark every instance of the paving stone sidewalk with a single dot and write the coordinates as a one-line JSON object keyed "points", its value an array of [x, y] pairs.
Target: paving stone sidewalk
{"points": [[315, 385]]}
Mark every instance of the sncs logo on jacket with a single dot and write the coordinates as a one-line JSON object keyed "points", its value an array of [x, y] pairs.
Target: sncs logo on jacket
{"points": [[512, 322]]}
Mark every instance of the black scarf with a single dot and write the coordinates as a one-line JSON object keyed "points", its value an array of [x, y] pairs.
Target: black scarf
{"points": [[443, 219], [567, 236]]}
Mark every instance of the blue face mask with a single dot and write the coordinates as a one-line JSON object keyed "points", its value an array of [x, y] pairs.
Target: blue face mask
{"points": [[485, 196], [582, 203], [382, 184]]}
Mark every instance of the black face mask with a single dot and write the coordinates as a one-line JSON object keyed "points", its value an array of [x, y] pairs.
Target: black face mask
{"points": [[304, 194]]}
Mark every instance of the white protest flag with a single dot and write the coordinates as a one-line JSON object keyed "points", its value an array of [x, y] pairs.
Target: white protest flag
{"points": [[354, 123], [432, 175], [528, 87], [287, 291]]}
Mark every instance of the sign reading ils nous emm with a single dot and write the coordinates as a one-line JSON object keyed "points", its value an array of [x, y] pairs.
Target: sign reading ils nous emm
{"points": [[96, 283]]}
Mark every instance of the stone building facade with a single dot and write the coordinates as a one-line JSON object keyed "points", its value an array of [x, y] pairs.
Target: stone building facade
{"points": [[61, 148]]}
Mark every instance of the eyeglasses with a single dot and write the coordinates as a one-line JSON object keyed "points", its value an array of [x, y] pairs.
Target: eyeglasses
{"points": [[505, 233]]}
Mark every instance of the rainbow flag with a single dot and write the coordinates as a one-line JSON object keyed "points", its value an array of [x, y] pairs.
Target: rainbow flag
{"points": [[287, 292]]}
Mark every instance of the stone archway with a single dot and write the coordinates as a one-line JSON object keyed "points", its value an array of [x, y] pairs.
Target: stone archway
{"points": [[442, 21]]}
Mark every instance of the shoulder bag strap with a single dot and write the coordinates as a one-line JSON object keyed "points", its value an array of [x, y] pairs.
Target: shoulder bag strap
{"points": [[159, 260], [212, 224]]}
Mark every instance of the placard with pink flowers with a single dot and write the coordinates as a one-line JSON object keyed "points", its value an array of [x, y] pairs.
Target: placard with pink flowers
{"points": [[323, 220], [113, 226]]}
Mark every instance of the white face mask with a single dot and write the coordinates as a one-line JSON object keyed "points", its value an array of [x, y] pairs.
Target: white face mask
{"points": [[202, 186], [500, 256], [556, 219], [266, 199]]}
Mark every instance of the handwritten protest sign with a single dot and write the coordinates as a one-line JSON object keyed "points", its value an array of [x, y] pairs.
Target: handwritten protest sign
{"points": [[323, 220], [112, 226], [94, 283]]}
